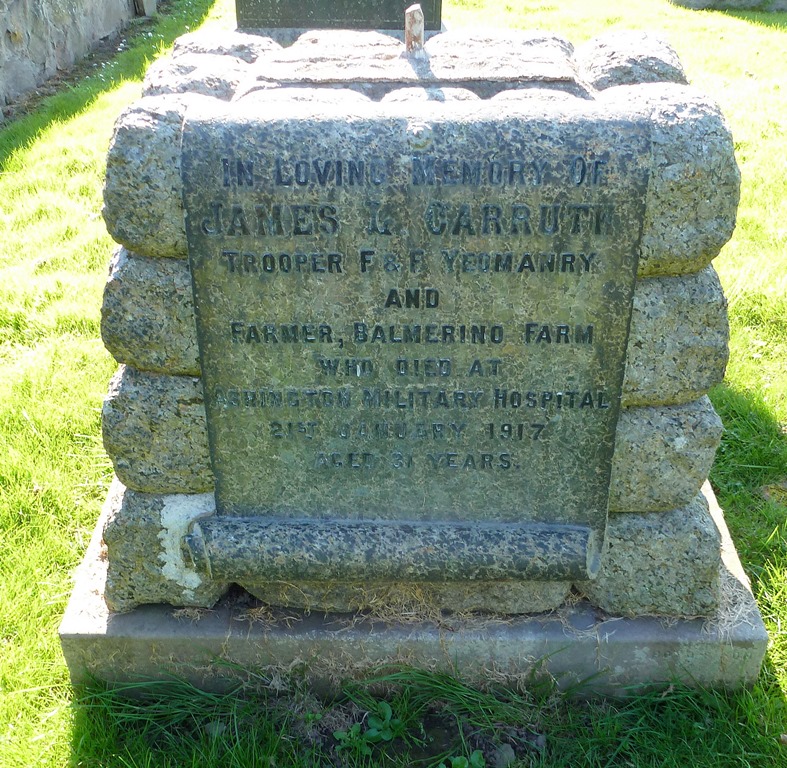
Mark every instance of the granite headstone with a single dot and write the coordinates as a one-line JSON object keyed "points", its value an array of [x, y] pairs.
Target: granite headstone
{"points": [[418, 317], [331, 14], [452, 326]]}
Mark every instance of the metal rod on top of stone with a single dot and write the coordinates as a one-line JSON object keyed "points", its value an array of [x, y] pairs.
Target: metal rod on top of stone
{"points": [[414, 29]]}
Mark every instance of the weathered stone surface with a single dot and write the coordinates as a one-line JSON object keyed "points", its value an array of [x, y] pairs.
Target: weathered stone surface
{"points": [[143, 208], [450, 58], [534, 45], [533, 93], [204, 73], [39, 39], [663, 563], [218, 649], [678, 343], [537, 58], [239, 45], [142, 535], [628, 57], [369, 550], [662, 456], [311, 528], [660, 564], [695, 183], [155, 432], [147, 317], [260, 473], [332, 43], [261, 95], [430, 94], [413, 599], [694, 180], [375, 64], [677, 346]]}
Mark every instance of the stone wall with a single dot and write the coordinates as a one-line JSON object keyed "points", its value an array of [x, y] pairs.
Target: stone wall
{"points": [[41, 37], [663, 549]]}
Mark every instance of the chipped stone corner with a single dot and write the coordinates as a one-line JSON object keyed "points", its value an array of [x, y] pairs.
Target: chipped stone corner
{"points": [[143, 535]]}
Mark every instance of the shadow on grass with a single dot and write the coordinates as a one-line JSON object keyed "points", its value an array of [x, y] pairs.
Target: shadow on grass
{"points": [[172, 723], [751, 460], [752, 456], [772, 19], [177, 725], [145, 39]]}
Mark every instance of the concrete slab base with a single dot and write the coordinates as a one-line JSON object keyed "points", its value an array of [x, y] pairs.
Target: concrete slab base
{"points": [[240, 641]]}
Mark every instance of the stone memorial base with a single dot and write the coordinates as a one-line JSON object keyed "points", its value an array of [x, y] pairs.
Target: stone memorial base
{"points": [[257, 466], [241, 641]]}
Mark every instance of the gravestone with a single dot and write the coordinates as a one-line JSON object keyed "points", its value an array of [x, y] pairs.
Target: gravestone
{"points": [[358, 389], [734, 5], [408, 340], [331, 14]]}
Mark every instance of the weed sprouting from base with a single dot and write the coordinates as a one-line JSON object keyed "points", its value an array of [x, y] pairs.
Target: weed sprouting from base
{"points": [[398, 717], [408, 717]]}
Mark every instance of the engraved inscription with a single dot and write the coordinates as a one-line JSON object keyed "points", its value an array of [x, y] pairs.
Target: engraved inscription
{"points": [[431, 335]]}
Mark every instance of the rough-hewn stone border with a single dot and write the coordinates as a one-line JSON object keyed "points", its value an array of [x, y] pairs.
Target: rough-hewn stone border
{"points": [[155, 432], [677, 346], [573, 644], [695, 183]]}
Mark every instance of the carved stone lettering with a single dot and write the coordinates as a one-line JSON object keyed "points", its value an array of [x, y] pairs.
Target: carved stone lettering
{"points": [[440, 340]]}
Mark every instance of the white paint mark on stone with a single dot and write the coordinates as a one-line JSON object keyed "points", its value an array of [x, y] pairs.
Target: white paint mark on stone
{"points": [[177, 513]]}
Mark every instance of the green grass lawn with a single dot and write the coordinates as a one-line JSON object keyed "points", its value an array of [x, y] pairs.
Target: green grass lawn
{"points": [[54, 371]]}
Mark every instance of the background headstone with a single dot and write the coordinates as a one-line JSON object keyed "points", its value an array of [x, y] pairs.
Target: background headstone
{"points": [[332, 14]]}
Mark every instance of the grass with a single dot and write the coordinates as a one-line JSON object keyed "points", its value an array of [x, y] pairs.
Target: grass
{"points": [[54, 474]]}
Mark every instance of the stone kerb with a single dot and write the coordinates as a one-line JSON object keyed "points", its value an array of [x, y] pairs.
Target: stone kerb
{"points": [[154, 420]]}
